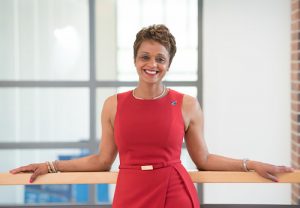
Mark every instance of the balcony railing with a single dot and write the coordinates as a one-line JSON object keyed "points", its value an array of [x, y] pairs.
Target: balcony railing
{"points": [[111, 178]]}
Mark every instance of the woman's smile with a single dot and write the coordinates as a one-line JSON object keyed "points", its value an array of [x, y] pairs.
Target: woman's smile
{"points": [[151, 72]]}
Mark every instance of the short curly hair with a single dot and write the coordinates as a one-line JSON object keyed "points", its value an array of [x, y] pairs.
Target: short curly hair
{"points": [[159, 33]]}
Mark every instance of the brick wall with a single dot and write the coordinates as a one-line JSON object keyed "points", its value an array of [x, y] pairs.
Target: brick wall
{"points": [[295, 96]]}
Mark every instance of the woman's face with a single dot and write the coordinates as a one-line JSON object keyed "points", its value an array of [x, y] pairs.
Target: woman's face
{"points": [[152, 61]]}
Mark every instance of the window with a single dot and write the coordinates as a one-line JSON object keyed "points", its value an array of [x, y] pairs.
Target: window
{"points": [[131, 17], [61, 59]]}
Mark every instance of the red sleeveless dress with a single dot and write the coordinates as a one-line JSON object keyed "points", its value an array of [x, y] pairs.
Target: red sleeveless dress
{"points": [[149, 136]]}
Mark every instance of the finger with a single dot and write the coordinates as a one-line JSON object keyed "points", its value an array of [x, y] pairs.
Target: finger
{"points": [[28, 168], [13, 171], [16, 170], [35, 174], [281, 169], [284, 169], [272, 177]]}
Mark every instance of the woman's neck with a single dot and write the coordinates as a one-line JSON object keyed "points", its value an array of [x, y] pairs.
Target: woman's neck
{"points": [[149, 92]]}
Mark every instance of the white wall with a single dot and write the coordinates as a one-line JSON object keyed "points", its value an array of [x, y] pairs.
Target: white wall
{"points": [[246, 91]]}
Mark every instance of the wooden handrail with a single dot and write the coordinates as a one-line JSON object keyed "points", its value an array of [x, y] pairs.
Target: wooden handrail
{"points": [[111, 178]]}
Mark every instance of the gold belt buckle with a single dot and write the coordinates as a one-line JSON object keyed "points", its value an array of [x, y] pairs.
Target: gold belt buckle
{"points": [[147, 167]]}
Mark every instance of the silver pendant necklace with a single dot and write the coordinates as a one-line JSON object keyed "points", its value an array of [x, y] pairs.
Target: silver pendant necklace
{"points": [[157, 97]]}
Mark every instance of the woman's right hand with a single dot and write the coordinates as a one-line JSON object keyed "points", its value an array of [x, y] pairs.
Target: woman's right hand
{"points": [[36, 169]]}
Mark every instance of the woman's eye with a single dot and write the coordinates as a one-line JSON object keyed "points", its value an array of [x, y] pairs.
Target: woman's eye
{"points": [[160, 60], [144, 57]]}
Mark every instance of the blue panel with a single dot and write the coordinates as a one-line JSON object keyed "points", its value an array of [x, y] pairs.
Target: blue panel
{"points": [[81, 193], [77, 193], [103, 193]]}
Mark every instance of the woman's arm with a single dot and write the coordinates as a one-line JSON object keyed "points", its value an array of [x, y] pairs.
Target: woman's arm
{"points": [[101, 161], [197, 148]]}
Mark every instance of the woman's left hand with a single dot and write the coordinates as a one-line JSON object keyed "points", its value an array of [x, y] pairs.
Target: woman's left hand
{"points": [[269, 171]]}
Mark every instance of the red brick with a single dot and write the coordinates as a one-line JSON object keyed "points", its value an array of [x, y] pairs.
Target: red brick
{"points": [[296, 159], [295, 26], [294, 199], [295, 76], [295, 128], [296, 189], [295, 96], [295, 56], [296, 87], [294, 35], [295, 5], [295, 46], [295, 66], [295, 138], [296, 150], [295, 15], [295, 117]]}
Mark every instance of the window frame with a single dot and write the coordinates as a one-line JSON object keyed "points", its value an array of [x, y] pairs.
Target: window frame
{"points": [[93, 84]]}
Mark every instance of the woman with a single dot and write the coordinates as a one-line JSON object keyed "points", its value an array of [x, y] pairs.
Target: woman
{"points": [[146, 126]]}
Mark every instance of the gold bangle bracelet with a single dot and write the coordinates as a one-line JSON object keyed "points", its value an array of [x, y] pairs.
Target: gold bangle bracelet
{"points": [[55, 164]]}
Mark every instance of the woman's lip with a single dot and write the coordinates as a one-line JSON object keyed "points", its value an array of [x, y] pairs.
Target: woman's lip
{"points": [[151, 72]]}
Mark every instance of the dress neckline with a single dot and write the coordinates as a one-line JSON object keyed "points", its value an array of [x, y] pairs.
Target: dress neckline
{"points": [[147, 100]]}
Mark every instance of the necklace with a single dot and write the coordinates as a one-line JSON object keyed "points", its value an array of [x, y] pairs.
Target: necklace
{"points": [[157, 97]]}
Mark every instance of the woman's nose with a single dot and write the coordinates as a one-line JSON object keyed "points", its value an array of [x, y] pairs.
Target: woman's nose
{"points": [[152, 63]]}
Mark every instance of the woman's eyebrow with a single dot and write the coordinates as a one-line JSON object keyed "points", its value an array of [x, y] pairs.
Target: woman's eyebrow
{"points": [[147, 53], [144, 52]]}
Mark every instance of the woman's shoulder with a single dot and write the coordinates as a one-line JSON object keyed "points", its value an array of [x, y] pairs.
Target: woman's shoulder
{"points": [[110, 101], [190, 103], [114, 98], [187, 99], [124, 94]]}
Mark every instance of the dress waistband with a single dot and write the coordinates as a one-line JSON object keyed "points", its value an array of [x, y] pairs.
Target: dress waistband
{"points": [[150, 166]]}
